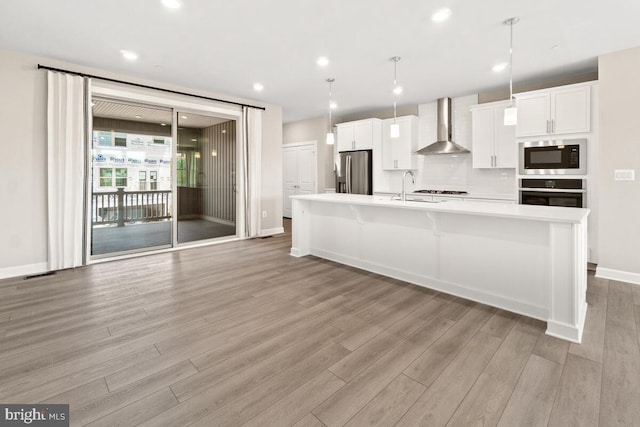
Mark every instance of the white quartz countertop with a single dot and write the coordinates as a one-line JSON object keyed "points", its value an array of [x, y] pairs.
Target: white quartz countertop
{"points": [[505, 210], [506, 197]]}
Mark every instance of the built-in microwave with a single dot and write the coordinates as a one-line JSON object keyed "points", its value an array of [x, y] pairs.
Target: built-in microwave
{"points": [[558, 157]]}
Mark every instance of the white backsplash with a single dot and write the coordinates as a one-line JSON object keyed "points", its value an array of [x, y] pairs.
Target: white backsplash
{"points": [[450, 171]]}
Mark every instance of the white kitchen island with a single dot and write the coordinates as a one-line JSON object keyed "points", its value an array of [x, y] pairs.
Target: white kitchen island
{"points": [[530, 260]]}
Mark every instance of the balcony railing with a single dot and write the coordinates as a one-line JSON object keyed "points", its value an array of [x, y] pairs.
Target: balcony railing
{"points": [[119, 207]]}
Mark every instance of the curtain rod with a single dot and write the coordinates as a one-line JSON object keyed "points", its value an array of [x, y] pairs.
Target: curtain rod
{"points": [[75, 73]]}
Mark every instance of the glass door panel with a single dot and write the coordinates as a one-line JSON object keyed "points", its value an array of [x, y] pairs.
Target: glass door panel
{"points": [[206, 177], [131, 179]]}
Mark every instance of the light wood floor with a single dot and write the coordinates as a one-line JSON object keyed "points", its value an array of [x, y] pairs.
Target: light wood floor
{"points": [[244, 334]]}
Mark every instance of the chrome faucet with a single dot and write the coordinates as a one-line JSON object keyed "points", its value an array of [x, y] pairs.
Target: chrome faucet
{"points": [[403, 195]]}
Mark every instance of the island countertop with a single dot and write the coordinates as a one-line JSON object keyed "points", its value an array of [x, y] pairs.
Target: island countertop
{"points": [[503, 210], [530, 260]]}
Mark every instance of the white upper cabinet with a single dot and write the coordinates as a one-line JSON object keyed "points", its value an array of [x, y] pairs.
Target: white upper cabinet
{"points": [[359, 135], [556, 111], [494, 144], [399, 153]]}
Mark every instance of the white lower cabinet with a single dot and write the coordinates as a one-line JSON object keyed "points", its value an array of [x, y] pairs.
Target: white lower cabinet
{"points": [[399, 153], [494, 144]]}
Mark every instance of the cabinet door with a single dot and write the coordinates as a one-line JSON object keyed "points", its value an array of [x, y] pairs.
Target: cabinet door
{"points": [[345, 138], [389, 160], [398, 153], [506, 152], [363, 135], [482, 137], [533, 114], [571, 110]]}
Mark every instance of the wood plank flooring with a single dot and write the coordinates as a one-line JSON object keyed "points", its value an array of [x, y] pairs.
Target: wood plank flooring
{"points": [[242, 333]]}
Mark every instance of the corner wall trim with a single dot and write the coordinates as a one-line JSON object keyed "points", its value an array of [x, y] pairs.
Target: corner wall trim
{"points": [[23, 270], [621, 276]]}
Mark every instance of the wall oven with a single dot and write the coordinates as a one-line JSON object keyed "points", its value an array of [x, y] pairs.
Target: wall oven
{"points": [[559, 157], [553, 192]]}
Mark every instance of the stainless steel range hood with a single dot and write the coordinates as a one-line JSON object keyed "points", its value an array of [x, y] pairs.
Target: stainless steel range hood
{"points": [[444, 144]]}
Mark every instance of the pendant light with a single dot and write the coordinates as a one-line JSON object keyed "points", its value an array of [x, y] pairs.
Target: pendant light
{"points": [[394, 129], [330, 137], [511, 113]]}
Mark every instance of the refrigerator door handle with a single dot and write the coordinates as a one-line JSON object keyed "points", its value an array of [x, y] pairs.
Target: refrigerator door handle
{"points": [[348, 173]]}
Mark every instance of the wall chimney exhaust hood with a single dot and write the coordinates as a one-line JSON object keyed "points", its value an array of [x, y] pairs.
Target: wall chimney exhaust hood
{"points": [[444, 144]]}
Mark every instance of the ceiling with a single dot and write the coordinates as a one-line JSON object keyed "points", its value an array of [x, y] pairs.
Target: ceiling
{"points": [[141, 113], [226, 46]]}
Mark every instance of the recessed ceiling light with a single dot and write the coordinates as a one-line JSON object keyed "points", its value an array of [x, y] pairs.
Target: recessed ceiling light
{"points": [[194, 140], [258, 87], [441, 15], [172, 4], [183, 117], [127, 54], [323, 61], [224, 131], [138, 116], [163, 124], [397, 90], [333, 105], [500, 67]]}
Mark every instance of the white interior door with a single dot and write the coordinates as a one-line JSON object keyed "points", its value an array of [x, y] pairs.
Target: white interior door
{"points": [[299, 174]]}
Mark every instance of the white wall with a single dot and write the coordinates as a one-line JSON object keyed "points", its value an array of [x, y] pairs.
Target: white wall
{"points": [[23, 245], [619, 201], [314, 130], [23, 164]]}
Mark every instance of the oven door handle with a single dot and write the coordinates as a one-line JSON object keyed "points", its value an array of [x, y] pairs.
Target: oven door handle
{"points": [[554, 190]]}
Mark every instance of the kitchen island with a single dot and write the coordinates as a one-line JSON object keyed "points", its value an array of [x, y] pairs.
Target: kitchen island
{"points": [[530, 260]]}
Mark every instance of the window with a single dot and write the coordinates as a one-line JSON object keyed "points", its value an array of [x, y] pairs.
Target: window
{"points": [[103, 138], [120, 139], [106, 177], [153, 178], [121, 177], [142, 180], [107, 174]]}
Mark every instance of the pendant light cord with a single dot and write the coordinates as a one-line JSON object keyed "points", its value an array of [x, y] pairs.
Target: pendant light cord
{"points": [[511, 63], [395, 60], [511, 22]]}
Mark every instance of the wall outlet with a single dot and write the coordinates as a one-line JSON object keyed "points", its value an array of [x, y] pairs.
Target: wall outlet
{"points": [[264, 214], [624, 175]]}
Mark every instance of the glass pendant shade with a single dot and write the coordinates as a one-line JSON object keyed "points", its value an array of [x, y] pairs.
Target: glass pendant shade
{"points": [[330, 138], [394, 130], [510, 116]]}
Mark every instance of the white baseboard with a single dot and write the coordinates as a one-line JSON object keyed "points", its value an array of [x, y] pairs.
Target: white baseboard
{"points": [[23, 270], [621, 276], [271, 231]]}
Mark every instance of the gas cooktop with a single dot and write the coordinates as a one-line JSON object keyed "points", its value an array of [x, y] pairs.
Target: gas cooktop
{"points": [[441, 192]]}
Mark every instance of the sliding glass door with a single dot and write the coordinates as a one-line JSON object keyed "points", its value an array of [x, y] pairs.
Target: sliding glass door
{"points": [[146, 194], [205, 177], [130, 178]]}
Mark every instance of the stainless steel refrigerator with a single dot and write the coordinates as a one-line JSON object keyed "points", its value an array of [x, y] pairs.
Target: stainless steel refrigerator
{"points": [[353, 172]]}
